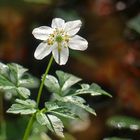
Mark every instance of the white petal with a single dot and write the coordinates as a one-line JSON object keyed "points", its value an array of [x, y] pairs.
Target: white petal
{"points": [[42, 51], [42, 32], [58, 23], [78, 43], [62, 57], [72, 27]]}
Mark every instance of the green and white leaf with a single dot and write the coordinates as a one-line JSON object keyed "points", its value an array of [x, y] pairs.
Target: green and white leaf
{"points": [[65, 113], [52, 106], [17, 70], [4, 70], [87, 108], [28, 81], [57, 125], [124, 122], [28, 102], [23, 107], [15, 77], [41, 118], [73, 99], [92, 89], [52, 84], [60, 109], [78, 101], [67, 80], [5, 83], [53, 123], [24, 92]]}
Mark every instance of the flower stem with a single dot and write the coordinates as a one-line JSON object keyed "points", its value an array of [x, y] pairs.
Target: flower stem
{"points": [[31, 121], [43, 80], [29, 127]]}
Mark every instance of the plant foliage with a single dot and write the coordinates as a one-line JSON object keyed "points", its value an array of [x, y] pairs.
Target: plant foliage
{"points": [[64, 103]]}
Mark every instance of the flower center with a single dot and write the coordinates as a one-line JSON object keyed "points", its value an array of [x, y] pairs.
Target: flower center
{"points": [[59, 38]]}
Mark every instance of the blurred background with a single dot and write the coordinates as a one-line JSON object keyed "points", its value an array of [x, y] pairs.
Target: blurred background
{"points": [[112, 28]]}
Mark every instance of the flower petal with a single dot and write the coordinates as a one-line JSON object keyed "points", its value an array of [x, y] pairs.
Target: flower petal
{"points": [[42, 51], [61, 57], [58, 23], [72, 27], [42, 32], [78, 43]]}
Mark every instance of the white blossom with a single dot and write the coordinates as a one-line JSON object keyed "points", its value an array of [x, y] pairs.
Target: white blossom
{"points": [[58, 39]]}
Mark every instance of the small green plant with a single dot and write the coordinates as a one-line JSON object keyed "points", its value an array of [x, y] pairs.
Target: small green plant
{"points": [[65, 94], [121, 122]]}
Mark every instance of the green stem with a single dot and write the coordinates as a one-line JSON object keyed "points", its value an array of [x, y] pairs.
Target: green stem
{"points": [[43, 80], [31, 121], [29, 127]]}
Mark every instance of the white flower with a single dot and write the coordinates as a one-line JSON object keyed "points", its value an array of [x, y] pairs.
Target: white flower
{"points": [[58, 39]]}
